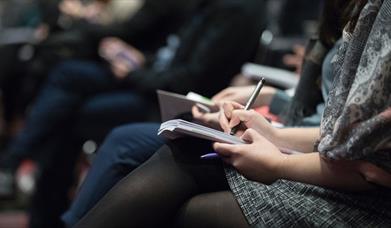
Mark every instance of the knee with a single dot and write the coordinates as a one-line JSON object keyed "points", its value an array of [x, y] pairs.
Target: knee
{"points": [[118, 143], [60, 73], [215, 209], [74, 74], [118, 134], [132, 143], [134, 133]]}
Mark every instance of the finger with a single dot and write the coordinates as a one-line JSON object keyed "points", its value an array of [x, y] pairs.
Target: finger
{"points": [[224, 149], [223, 121], [120, 69], [196, 113], [250, 135], [238, 116], [202, 116], [236, 105], [123, 64], [228, 108]]}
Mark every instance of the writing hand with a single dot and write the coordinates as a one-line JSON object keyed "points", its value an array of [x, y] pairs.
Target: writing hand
{"points": [[260, 160]]}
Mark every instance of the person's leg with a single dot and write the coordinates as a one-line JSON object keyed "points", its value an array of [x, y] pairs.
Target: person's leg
{"points": [[152, 194], [67, 88], [124, 149], [101, 113], [216, 209], [60, 154], [56, 176]]}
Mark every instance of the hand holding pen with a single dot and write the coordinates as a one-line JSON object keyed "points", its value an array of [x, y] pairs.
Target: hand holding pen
{"points": [[249, 104], [250, 101]]}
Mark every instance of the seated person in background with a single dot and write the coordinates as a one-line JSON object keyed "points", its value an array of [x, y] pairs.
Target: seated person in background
{"points": [[197, 61], [60, 36], [346, 183], [129, 146]]}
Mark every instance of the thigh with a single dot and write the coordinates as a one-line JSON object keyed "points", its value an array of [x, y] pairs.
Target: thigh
{"points": [[216, 209], [83, 77], [102, 112], [124, 149], [152, 194], [135, 143]]}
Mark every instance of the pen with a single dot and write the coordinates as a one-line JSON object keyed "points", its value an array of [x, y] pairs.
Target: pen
{"points": [[250, 101], [210, 156]]}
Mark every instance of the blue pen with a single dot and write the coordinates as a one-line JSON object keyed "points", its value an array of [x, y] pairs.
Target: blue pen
{"points": [[210, 156]]}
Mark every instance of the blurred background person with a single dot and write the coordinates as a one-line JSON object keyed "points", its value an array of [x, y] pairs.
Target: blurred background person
{"points": [[35, 35], [123, 89], [76, 37]]}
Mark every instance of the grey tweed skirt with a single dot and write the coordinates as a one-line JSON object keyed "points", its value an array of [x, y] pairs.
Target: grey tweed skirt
{"points": [[292, 204]]}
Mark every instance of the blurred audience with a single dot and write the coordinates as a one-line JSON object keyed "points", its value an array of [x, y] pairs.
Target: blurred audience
{"points": [[92, 65], [334, 176], [123, 151], [123, 88], [34, 36]]}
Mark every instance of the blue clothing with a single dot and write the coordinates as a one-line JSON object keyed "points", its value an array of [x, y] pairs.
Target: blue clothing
{"points": [[70, 87], [124, 150], [79, 97]]}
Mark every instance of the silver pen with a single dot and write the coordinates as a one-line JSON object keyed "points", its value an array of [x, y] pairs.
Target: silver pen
{"points": [[250, 101]]}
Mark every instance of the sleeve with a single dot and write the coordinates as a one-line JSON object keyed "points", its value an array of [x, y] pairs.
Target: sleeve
{"points": [[147, 22], [228, 37]]}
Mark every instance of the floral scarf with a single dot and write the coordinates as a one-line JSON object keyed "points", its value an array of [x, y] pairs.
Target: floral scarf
{"points": [[356, 123]]}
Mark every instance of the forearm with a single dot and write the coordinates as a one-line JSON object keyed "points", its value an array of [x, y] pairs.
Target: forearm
{"points": [[298, 139], [312, 169]]}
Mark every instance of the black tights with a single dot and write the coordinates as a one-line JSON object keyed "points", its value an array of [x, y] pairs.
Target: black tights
{"points": [[174, 187]]}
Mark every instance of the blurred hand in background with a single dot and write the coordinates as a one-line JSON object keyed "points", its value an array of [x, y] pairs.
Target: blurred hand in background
{"points": [[122, 57]]}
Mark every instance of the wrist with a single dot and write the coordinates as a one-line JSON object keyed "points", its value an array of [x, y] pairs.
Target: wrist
{"points": [[274, 135], [282, 167]]}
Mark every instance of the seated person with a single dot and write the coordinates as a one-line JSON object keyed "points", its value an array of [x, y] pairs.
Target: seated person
{"points": [[199, 59], [23, 72], [123, 150], [259, 185]]}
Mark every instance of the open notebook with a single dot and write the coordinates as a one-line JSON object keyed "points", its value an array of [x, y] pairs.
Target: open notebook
{"points": [[178, 128]]}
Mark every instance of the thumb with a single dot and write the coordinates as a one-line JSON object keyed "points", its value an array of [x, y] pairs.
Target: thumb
{"points": [[224, 149]]}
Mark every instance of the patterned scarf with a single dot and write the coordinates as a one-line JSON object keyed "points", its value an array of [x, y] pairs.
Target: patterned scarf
{"points": [[356, 124]]}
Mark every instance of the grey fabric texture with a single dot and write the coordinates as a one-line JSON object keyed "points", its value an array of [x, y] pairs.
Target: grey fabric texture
{"points": [[363, 61], [292, 204], [356, 122]]}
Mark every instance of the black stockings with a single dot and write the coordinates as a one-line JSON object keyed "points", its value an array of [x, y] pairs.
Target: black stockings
{"points": [[174, 187]]}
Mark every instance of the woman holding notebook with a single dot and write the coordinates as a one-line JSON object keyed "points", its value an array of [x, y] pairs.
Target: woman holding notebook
{"points": [[342, 178]]}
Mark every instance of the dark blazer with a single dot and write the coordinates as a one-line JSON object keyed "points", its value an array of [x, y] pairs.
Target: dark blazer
{"points": [[219, 38], [149, 27]]}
